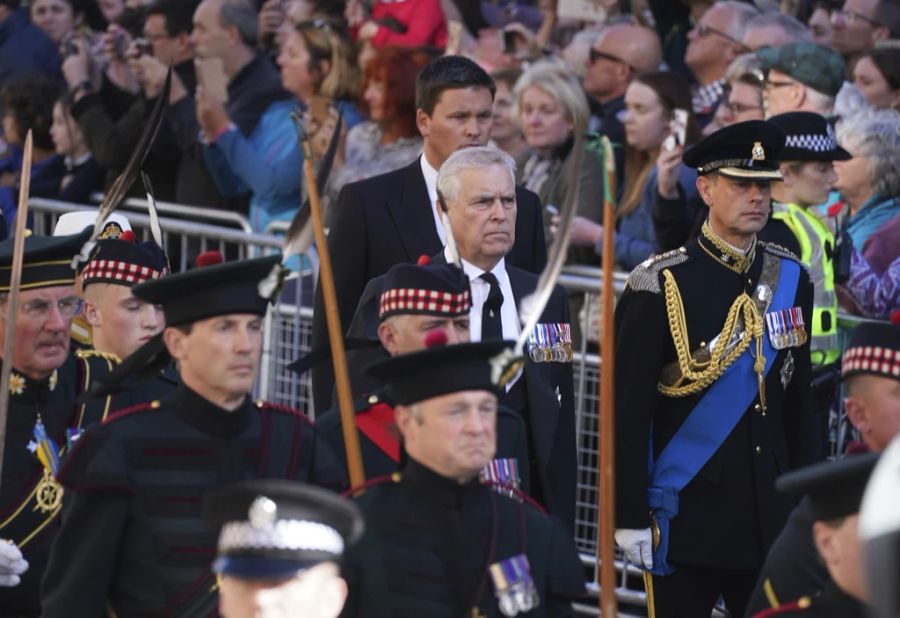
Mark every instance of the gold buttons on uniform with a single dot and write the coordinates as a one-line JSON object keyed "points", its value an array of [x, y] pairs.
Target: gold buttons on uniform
{"points": [[154, 404], [758, 450], [373, 399]]}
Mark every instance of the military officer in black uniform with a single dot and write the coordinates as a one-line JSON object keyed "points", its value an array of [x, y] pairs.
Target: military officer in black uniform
{"points": [[834, 492], [406, 307], [280, 545], [437, 541], [712, 387], [133, 537], [793, 568], [43, 417]]}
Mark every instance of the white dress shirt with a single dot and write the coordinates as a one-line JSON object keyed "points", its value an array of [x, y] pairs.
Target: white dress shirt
{"points": [[509, 313], [431, 175]]}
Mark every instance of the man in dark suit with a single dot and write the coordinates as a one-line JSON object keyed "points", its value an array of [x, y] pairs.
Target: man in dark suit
{"points": [[478, 186], [391, 218]]}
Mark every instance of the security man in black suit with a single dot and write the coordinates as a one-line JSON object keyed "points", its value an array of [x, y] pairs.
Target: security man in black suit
{"points": [[418, 304], [133, 536], [391, 218], [438, 543], [712, 387], [478, 188]]}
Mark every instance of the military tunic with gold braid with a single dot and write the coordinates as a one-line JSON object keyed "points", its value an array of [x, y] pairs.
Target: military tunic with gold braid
{"points": [[30, 497], [684, 317]]}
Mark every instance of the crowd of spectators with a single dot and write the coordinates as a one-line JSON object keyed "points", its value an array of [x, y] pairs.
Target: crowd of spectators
{"points": [[651, 75]]}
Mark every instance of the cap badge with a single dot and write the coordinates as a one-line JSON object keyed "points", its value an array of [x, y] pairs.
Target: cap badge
{"points": [[262, 512], [758, 153], [110, 230]]}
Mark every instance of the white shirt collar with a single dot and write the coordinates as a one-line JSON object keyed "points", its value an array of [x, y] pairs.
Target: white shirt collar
{"points": [[430, 174]]}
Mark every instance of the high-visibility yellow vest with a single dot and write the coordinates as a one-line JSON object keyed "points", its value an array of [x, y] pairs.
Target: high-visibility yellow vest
{"points": [[817, 253]]}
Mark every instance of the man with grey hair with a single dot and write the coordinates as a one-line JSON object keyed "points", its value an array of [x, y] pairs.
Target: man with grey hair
{"points": [[477, 185], [620, 52], [713, 43], [774, 30]]}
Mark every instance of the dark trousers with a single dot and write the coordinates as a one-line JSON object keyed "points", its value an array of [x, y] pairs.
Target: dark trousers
{"points": [[692, 592]]}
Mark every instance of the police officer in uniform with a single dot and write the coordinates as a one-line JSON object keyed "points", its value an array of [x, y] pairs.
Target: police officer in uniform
{"points": [[712, 383], [133, 536], [406, 307], [808, 170], [834, 492], [437, 541], [44, 417], [280, 545]]}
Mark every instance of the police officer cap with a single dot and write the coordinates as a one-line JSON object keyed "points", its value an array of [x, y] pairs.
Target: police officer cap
{"points": [[272, 529], [809, 137], [424, 288], [221, 289], [835, 489], [46, 261], [438, 370], [874, 349], [742, 150], [119, 259]]}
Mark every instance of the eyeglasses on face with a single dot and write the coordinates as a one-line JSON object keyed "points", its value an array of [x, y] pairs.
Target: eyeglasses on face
{"points": [[851, 17], [740, 108], [39, 309], [704, 31], [772, 84], [596, 54]]}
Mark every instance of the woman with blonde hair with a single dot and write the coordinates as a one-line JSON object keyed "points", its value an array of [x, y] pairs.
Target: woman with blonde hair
{"points": [[552, 109]]}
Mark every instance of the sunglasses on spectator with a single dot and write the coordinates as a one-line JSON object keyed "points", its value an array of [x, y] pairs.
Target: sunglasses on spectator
{"points": [[596, 55], [851, 17], [704, 31]]}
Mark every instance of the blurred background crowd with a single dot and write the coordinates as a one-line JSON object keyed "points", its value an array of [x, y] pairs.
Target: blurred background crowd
{"points": [[653, 76]]}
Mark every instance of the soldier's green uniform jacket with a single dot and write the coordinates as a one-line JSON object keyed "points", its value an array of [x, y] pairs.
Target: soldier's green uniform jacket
{"points": [[30, 499], [133, 537], [429, 543], [379, 440]]}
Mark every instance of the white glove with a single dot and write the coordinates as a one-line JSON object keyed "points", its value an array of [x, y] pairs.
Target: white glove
{"points": [[12, 565], [637, 545]]}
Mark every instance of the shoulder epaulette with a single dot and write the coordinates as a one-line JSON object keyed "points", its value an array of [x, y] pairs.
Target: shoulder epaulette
{"points": [[86, 353], [141, 407], [372, 482], [801, 604], [645, 277], [780, 251], [277, 407]]}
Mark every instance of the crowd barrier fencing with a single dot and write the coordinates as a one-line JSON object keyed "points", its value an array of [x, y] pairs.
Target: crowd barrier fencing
{"points": [[289, 334]]}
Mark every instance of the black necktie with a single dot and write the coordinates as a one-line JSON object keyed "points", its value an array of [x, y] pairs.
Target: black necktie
{"points": [[491, 324]]}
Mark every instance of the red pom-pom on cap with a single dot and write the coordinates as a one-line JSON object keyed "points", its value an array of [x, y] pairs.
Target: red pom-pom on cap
{"points": [[435, 338], [895, 317], [209, 258], [128, 236], [423, 260]]}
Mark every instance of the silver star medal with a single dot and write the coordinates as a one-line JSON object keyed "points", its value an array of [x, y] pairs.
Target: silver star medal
{"points": [[787, 370]]}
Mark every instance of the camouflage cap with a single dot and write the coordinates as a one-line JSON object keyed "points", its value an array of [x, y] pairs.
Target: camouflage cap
{"points": [[820, 68]]}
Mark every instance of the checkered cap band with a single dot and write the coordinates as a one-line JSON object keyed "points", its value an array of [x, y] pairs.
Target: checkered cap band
{"points": [[814, 142], [872, 359], [412, 300], [114, 271]]}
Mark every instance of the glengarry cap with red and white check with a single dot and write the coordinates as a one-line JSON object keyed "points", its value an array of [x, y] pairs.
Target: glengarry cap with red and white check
{"points": [[424, 288], [874, 349], [120, 260]]}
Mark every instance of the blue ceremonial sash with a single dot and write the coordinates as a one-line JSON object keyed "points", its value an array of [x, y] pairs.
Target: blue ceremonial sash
{"points": [[708, 424]]}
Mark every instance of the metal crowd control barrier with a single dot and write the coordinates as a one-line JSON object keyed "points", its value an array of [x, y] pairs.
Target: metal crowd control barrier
{"points": [[183, 211], [289, 333]]}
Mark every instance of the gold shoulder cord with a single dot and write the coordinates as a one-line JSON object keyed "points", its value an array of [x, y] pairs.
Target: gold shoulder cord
{"points": [[700, 375]]}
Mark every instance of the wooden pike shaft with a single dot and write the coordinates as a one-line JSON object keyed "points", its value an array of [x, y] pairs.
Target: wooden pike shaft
{"points": [[13, 297], [335, 334], [605, 474]]}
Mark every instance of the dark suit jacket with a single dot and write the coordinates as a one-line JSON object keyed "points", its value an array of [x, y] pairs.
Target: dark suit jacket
{"points": [[386, 220]]}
